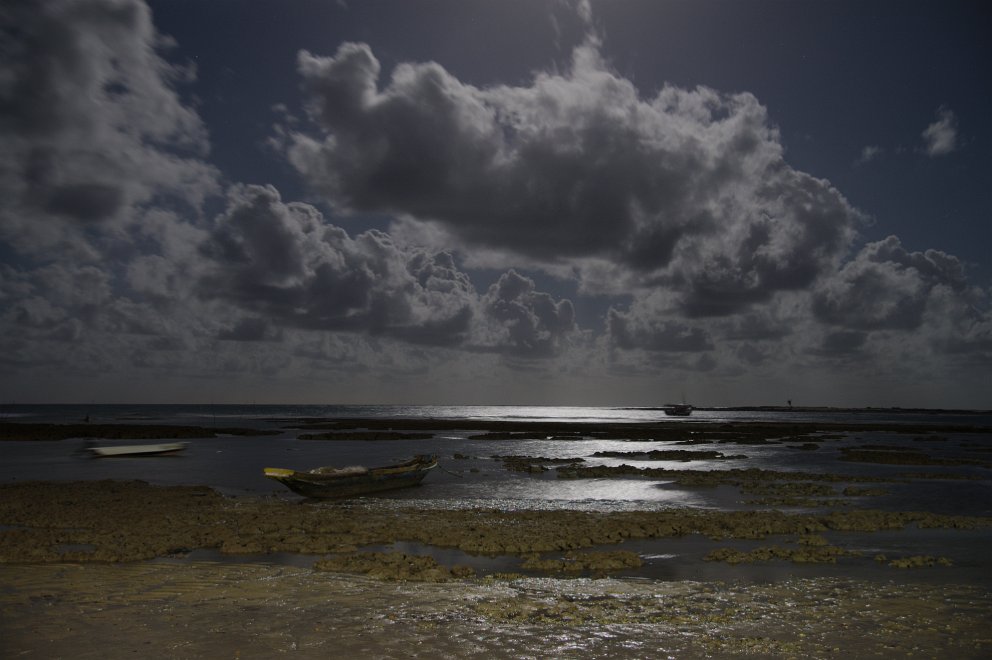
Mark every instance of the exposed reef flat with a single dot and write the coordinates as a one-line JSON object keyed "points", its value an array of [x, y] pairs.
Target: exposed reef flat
{"points": [[24, 431], [115, 521], [365, 436], [69, 567], [734, 477], [898, 456]]}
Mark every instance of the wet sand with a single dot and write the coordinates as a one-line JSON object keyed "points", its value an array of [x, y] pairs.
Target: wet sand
{"points": [[109, 569], [257, 611]]}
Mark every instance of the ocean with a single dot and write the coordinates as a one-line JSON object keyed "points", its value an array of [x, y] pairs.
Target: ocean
{"points": [[234, 464]]}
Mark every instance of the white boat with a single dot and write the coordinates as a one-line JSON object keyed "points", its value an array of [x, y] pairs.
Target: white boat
{"points": [[138, 450]]}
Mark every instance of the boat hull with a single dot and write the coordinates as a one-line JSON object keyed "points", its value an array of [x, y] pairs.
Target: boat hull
{"points": [[678, 410], [163, 449], [374, 480]]}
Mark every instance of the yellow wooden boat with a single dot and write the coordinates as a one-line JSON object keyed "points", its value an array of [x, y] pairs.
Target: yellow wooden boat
{"points": [[329, 482]]}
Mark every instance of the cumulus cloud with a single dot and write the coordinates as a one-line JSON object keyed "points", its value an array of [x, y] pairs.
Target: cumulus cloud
{"points": [[841, 343], [282, 262], [91, 124], [888, 301], [887, 287], [652, 331], [757, 326], [887, 310], [250, 328], [687, 189], [941, 137], [530, 323]]}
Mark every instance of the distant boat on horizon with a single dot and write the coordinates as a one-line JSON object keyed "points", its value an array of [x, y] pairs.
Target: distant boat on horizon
{"points": [[677, 409]]}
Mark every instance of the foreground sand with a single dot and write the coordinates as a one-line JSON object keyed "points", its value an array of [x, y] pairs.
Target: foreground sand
{"points": [[254, 611]]}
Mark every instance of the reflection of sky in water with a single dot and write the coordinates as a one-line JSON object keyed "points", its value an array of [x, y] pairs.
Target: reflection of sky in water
{"points": [[563, 493]]}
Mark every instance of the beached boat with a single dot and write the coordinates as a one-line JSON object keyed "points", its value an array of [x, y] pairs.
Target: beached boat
{"points": [[326, 482], [677, 409], [160, 449]]}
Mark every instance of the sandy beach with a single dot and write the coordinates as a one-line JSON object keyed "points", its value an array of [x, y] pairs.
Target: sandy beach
{"points": [[115, 567]]}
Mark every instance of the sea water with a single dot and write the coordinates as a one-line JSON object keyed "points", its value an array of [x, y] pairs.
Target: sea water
{"points": [[477, 477]]}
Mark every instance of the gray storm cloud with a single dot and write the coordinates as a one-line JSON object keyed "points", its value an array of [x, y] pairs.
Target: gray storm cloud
{"points": [[887, 287], [687, 189], [90, 124], [531, 322], [283, 262], [656, 333], [919, 297]]}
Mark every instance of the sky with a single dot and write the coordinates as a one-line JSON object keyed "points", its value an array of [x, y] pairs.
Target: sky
{"points": [[549, 202]]}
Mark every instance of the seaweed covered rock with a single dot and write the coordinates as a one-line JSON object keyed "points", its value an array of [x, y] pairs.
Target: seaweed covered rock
{"points": [[395, 566], [919, 561], [810, 554], [582, 562]]}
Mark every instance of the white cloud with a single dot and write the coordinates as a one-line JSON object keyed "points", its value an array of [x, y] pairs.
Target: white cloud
{"points": [[941, 137], [687, 188]]}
